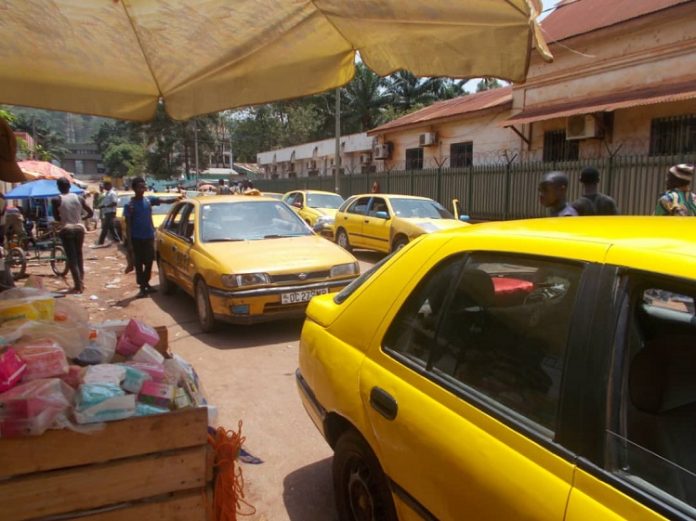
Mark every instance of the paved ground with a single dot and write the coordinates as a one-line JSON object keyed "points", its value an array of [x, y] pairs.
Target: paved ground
{"points": [[248, 372]]}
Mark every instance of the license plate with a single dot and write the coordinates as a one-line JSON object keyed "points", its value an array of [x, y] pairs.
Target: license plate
{"points": [[301, 296]]}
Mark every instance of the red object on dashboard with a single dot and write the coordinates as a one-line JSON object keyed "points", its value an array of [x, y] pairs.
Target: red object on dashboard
{"points": [[503, 285]]}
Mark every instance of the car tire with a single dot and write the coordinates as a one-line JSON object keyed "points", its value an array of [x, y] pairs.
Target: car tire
{"points": [[206, 319], [399, 242], [342, 239], [165, 285], [360, 486]]}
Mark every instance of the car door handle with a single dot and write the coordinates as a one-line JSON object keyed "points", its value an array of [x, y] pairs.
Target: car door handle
{"points": [[366, 221], [384, 403]]}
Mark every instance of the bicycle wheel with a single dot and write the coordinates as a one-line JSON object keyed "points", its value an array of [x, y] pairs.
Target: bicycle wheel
{"points": [[59, 261], [16, 262]]}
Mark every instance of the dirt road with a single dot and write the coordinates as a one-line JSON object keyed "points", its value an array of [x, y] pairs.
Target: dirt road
{"points": [[248, 373]]}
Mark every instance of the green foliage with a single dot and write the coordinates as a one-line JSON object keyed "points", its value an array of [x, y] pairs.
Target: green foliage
{"points": [[488, 84], [124, 159]]}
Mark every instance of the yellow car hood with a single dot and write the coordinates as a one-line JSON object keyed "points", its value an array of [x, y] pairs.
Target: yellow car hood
{"points": [[325, 211], [434, 225], [283, 255]]}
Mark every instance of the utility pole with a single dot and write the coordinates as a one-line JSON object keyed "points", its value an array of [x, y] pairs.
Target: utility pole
{"points": [[337, 157], [195, 149]]}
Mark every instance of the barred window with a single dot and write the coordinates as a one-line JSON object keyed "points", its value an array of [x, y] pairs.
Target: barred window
{"points": [[461, 154], [414, 159], [557, 148], [674, 135]]}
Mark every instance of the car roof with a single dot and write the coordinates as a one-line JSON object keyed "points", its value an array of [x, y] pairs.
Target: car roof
{"points": [[208, 199], [312, 192], [393, 196], [658, 244]]}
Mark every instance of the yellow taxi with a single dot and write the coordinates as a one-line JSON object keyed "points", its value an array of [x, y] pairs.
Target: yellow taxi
{"points": [[317, 208], [541, 369], [247, 259], [159, 212], [387, 222]]}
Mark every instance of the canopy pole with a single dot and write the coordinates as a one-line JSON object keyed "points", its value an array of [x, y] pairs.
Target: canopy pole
{"points": [[337, 157], [195, 149]]}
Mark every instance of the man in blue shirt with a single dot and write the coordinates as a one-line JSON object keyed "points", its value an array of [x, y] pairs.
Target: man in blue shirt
{"points": [[141, 233]]}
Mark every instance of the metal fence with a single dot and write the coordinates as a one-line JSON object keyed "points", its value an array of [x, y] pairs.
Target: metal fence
{"points": [[506, 190]]}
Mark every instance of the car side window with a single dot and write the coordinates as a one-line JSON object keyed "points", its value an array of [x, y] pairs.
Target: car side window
{"points": [[360, 206], [186, 228], [501, 334], [652, 438], [174, 219], [378, 204]]}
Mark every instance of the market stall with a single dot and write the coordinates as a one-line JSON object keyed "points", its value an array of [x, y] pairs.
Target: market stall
{"points": [[100, 420]]}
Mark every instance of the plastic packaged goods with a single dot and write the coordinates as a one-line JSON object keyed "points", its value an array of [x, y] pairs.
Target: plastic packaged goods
{"points": [[73, 377], [44, 357], [17, 310], [157, 394], [104, 374], [156, 371], [73, 338], [144, 409], [70, 312], [103, 402], [115, 326], [100, 348], [34, 426], [12, 368], [134, 379], [148, 354], [136, 334], [181, 399], [29, 399]]}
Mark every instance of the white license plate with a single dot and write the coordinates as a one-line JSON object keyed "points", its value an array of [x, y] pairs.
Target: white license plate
{"points": [[301, 296]]}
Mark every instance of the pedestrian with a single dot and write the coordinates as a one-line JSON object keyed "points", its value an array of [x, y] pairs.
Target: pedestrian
{"points": [[553, 190], [108, 207], [678, 199], [376, 189], [222, 189], [141, 233], [68, 208], [592, 201]]}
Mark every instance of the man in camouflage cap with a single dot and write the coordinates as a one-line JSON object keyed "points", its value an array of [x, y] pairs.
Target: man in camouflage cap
{"points": [[678, 199]]}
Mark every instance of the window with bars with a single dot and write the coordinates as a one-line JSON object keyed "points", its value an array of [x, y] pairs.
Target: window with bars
{"points": [[461, 154], [414, 159], [673, 135], [557, 148]]}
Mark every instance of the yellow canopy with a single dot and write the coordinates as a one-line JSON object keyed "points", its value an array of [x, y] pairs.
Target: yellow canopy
{"points": [[117, 58]]}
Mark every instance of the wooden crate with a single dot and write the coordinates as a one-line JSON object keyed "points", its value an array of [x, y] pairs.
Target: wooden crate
{"points": [[150, 468]]}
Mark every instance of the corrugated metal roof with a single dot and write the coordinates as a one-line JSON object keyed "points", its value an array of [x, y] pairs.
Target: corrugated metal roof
{"points": [[446, 109], [606, 103], [574, 17]]}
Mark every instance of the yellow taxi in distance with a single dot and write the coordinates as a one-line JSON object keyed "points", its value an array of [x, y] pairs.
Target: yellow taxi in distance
{"points": [[387, 222], [541, 369], [247, 259], [159, 212], [317, 208]]}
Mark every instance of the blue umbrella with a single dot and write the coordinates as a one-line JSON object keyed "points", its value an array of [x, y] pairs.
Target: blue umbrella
{"points": [[40, 188]]}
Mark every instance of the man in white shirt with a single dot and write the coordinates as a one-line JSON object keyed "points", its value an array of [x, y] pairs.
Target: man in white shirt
{"points": [[108, 207]]}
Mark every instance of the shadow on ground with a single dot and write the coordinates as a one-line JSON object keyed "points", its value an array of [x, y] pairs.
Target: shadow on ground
{"points": [[308, 493], [182, 309]]}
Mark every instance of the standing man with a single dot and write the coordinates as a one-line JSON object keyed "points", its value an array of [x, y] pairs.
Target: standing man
{"points": [[678, 199], [108, 208], [68, 209], [592, 201], [223, 189], [141, 233], [552, 194]]}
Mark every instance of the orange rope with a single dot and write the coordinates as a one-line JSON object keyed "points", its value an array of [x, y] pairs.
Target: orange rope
{"points": [[228, 498]]}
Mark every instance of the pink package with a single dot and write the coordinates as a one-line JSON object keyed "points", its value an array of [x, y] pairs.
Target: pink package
{"points": [[158, 394], [137, 334], [11, 369], [34, 426], [44, 357], [73, 377], [30, 399], [156, 371]]}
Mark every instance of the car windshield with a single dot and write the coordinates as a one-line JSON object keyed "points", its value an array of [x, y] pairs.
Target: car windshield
{"points": [[419, 208], [161, 209], [249, 221], [324, 200]]}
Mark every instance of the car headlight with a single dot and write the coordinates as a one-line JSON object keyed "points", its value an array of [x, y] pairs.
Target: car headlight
{"points": [[325, 219], [245, 279], [341, 270]]}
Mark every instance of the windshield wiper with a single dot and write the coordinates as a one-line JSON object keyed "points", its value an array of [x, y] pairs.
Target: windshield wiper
{"points": [[222, 239], [281, 236]]}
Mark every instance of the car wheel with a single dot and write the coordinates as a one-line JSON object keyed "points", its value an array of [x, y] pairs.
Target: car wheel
{"points": [[205, 313], [399, 242], [165, 285], [342, 239], [360, 487]]}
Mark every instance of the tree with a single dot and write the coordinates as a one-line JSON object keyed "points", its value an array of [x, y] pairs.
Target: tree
{"points": [[365, 98], [124, 159], [450, 89], [487, 84], [407, 90]]}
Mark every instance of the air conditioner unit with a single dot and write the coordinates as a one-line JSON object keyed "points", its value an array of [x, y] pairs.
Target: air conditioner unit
{"points": [[365, 159], [382, 151], [427, 139], [582, 127]]}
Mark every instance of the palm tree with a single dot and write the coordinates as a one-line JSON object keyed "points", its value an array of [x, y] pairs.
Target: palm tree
{"points": [[408, 91], [451, 89], [364, 98]]}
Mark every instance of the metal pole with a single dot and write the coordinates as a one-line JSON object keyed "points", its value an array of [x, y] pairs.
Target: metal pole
{"points": [[337, 157], [195, 148]]}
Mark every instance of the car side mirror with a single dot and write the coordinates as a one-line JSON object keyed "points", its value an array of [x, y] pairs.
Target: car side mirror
{"points": [[382, 214], [464, 218]]}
